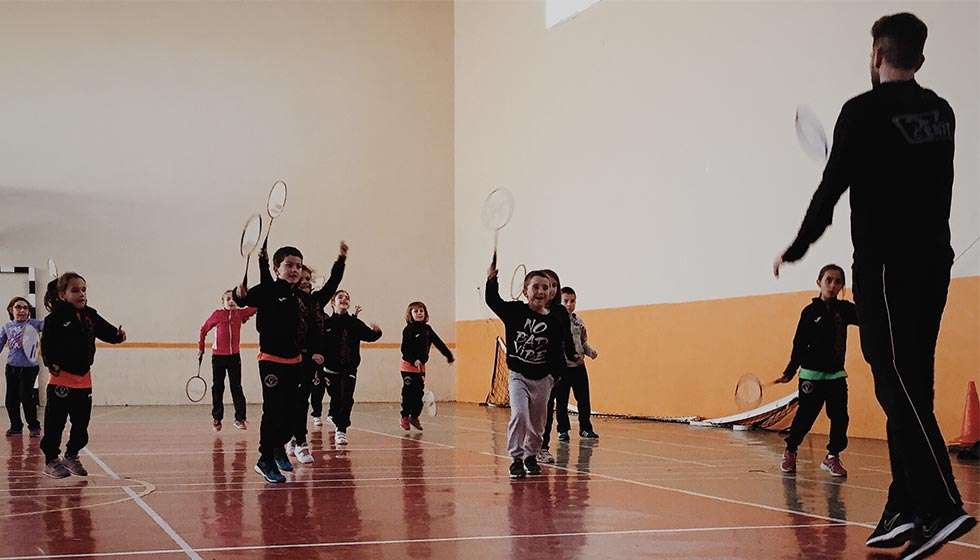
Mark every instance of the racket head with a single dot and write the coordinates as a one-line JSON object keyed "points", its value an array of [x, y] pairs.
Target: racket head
{"points": [[277, 199], [517, 282], [251, 232], [429, 402], [52, 269], [30, 339], [498, 208], [811, 134], [196, 388], [748, 391]]}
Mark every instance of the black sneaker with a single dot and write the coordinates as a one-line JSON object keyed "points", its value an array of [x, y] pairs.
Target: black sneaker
{"points": [[269, 471], [35, 431], [936, 532], [531, 466], [55, 469], [562, 436], [74, 466], [893, 530], [517, 469], [588, 434], [14, 432], [282, 461]]}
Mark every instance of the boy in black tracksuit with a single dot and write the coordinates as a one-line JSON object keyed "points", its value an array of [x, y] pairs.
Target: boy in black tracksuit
{"points": [[893, 147], [819, 348], [283, 322], [68, 344], [417, 337], [342, 337]]}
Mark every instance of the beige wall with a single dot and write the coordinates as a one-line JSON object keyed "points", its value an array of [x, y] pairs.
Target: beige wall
{"points": [[651, 150], [136, 137]]}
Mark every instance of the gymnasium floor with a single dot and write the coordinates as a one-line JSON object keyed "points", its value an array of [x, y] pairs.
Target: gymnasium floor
{"points": [[162, 485]]}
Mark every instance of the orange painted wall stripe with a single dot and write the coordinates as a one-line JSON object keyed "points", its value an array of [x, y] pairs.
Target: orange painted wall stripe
{"points": [[683, 359]]}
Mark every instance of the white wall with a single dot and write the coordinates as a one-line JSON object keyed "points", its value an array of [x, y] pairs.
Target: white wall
{"points": [[136, 137], [651, 148]]}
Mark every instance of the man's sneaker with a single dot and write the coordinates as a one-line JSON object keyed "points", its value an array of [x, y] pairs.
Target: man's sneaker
{"points": [[35, 431], [74, 466], [544, 456], [303, 454], [517, 468], [832, 464], [788, 465], [55, 469], [893, 530], [216, 424], [414, 421], [291, 448], [317, 422], [562, 436], [531, 465], [241, 424], [588, 434], [282, 461], [340, 438], [269, 471], [936, 532], [404, 423], [14, 433]]}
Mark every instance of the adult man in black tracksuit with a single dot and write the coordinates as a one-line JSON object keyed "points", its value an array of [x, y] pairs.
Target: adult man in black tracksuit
{"points": [[893, 146]]}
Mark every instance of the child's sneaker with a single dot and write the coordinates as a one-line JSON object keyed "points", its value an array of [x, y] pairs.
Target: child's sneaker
{"points": [[517, 468], [788, 465], [331, 427], [216, 424], [282, 461], [303, 454], [531, 465], [340, 438], [562, 436], [414, 421], [832, 464], [269, 471], [74, 466], [14, 433], [544, 456], [35, 431], [241, 424], [588, 434], [55, 469], [317, 422], [404, 423], [291, 448]]}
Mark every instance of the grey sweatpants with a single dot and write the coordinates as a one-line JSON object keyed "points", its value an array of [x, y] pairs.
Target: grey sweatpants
{"points": [[528, 413]]}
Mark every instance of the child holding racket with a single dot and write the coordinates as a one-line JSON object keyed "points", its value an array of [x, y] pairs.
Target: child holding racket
{"points": [[69, 350], [22, 368], [342, 337], [534, 337], [417, 337], [819, 347], [226, 358]]}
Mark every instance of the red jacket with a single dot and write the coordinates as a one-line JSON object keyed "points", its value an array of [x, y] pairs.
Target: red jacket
{"points": [[229, 323]]}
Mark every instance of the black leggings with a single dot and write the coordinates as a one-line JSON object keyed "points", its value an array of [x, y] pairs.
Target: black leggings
{"points": [[20, 394]]}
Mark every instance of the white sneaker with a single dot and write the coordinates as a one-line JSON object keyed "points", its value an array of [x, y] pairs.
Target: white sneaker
{"points": [[341, 438], [317, 421], [544, 456], [303, 454], [331, 427], [291, 448]]}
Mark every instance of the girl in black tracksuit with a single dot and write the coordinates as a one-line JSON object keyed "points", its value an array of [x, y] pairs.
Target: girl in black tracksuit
{"points": [[417, 337], [342, 337]]}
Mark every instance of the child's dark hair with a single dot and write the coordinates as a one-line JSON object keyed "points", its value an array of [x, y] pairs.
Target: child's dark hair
{"points": [[416, 305], [568, 291], [65, 279], [843, 277], [51, 295], [533, 274], [333, 298], [30, 308], [283, 252]]}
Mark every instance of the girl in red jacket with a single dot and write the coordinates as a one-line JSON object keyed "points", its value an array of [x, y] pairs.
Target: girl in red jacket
{"points": [[225, 357]]}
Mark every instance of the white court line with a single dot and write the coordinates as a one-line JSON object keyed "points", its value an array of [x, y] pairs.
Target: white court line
{"points": [[186, 548], [625, 532]]}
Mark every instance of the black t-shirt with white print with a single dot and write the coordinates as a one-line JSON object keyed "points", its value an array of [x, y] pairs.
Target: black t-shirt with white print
{"points": [[534, 341]]}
